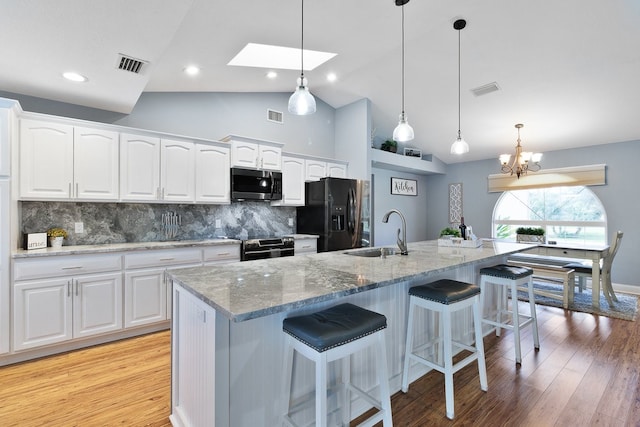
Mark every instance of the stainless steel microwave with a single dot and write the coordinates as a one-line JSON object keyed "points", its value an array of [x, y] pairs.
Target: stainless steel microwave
{"points": [[250, 184]]}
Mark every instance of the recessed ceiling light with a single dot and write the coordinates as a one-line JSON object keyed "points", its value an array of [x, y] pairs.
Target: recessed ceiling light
{"points": [[332, 77], [272, 74], [192, 70], [74, 77], [284, 58]]}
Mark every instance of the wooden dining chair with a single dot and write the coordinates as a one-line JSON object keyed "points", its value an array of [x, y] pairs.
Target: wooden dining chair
{"points": [[584, 270]]}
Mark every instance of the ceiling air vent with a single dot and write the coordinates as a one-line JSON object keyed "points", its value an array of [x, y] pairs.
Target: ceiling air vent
{"points": [[485, 89], [127, 63], [274, 116]]}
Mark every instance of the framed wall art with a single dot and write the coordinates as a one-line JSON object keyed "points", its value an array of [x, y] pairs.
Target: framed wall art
{"points": [[404, 187], [455, 202]]}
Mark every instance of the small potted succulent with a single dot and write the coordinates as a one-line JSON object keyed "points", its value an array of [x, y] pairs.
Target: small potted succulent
{"points": [[56, 236], [448, 233], [530, 235], [389, 145]]}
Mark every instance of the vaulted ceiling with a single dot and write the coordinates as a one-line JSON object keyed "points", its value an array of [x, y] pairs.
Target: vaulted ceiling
{"points": [[569, 70]]}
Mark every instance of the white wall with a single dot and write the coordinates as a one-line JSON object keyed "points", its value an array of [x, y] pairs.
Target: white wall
{"points": [[352, 142]]}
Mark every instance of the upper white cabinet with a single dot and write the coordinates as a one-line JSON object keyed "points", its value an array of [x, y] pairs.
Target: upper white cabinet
{"points": [[293, 172], [139, 167], [336, 170], [212, 173], [255, 154], [177, 173], [59, 161], [315, 169]]}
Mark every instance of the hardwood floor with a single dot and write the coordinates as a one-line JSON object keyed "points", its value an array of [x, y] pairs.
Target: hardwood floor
{"points": [[587, 373]]}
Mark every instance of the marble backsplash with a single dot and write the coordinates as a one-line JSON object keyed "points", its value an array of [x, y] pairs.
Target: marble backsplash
{"points": [[132, 222]]}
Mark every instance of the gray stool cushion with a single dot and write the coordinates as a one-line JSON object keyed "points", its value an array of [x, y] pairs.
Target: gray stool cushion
{"points": [[334, 326], [506, 271], [445, 291], [579, 267]]}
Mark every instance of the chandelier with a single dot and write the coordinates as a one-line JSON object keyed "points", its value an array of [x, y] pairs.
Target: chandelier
{"points": [[523, 162]]}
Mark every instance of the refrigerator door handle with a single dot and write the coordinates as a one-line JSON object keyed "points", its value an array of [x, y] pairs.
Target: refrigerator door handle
{"points": [[351, 211]]}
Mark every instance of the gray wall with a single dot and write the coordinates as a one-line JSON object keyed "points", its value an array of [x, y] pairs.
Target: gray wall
{"points": [[620, 196]]}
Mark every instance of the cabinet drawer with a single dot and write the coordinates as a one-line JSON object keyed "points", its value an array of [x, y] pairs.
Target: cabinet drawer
{"points": [[222, 252], [55, 266], [565, 253], [161, 258], [305, 245]]}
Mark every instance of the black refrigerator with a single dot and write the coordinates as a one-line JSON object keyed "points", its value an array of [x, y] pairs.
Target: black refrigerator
{"points": [[337, 210]]}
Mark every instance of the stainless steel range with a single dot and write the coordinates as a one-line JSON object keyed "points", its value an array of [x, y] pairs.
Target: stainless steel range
{"points": [[276, 247]]}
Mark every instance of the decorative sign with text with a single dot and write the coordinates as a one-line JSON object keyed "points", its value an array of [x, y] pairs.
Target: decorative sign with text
{"points": [[404, 187]]}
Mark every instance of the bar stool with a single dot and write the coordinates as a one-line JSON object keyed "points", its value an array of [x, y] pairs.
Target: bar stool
{"points": [[509, 277], [332, 334], [445, 297]]}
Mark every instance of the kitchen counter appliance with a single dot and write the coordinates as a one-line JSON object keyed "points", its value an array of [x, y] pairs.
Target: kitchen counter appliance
{"points": [[337, 210], [253, 249], [250, 184]]}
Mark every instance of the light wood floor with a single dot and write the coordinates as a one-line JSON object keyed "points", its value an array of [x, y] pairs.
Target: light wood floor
{"points": [[587, 373]]}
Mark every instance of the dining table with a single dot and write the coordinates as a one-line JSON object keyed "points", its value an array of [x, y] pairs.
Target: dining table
{"points": [[593, 252]]}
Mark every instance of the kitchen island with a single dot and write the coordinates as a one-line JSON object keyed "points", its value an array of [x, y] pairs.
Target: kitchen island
{"points": [[227, 340]]}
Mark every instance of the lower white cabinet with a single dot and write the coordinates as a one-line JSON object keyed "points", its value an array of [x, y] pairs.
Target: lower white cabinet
{"points": [[56, 310], [305, 245]]}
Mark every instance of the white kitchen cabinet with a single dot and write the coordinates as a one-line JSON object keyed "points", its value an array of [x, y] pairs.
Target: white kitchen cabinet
{"points": [[56, 299], [59, 161], [336, 170], [212, 174], [315, 169], [177, 179], [55, 310], [221, 254], [305, 245], [139, 167], [146, 291], [293, 173], [255, 154]]}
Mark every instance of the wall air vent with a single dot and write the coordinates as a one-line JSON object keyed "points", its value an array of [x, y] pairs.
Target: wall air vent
{"points": [[127, 63], [274, 116], [485, 89]]}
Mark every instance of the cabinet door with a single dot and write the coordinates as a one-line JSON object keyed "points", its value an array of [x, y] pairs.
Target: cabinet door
{"points": [[145, 297], [177, 171], [212, 174], [302, 246], [270, 157], [96, 169], [336, 170], [41, 313], [293, 171], [315, 170], [97, 304], [139, 167], [46, 160], [244, 154]]}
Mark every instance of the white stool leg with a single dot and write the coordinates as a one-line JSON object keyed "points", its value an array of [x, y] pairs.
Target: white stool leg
{"points": [[534, 316], [409, 347], [346, 381], [477, 324], [288, 368], [516, 320], [383, 378], [448, 361], [321, 390]]}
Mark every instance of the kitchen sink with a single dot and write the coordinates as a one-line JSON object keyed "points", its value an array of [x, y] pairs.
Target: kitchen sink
{"points": [[373, 252]]}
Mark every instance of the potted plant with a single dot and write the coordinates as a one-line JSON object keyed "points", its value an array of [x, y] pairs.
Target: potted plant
{"points": [[389, 145], [448, 233], [530, 235], [56, 236]]}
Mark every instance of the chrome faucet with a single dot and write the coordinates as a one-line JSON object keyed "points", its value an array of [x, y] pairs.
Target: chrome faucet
{"points": [[402, 243]]}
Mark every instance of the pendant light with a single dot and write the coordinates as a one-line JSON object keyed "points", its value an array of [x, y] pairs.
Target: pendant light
{"points": [[302, 102], [459, 146], [403, 132]]}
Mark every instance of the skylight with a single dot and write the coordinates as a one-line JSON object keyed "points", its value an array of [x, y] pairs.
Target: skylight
{"points": [[286, 58]]}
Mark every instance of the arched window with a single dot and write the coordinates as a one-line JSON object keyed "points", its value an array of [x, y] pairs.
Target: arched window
{"points": [[568, 214]]}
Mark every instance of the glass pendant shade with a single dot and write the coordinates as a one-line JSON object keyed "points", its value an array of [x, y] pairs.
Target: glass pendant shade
{"points": [[302, 102], [459, 146], [403, 132]]}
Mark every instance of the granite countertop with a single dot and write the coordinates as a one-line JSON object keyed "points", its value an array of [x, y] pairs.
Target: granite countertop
{"points": [[119, 247], [247, 290]]}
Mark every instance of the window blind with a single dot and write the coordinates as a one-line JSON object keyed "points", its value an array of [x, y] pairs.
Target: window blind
{"points": [[576, 175]]}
